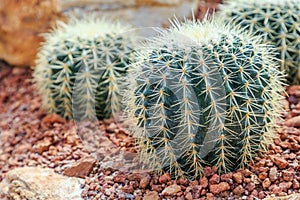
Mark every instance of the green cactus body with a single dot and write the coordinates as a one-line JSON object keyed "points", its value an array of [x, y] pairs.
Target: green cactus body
{"points": [[203, 94], [277, 22], [81, 65]]}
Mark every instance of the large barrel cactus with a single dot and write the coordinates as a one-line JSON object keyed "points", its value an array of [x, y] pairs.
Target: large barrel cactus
{"points": [[81, 65], [277, 22], [203, 94]]}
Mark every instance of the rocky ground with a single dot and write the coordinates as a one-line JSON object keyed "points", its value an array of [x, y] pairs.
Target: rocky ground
{"points": [[30, 137]]}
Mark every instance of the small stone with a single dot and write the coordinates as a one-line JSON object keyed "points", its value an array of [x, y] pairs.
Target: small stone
{"points": [[275, 189], [128, 189], [81, 168], [261, 195], [288, 175], [183, 181], [120, 178], [193, 183], [204, 182], [111, 128], [262, 176], [157, 188], [285, 186], [239, 190], [273, 174], [247, 180], [250, 187], [144, 182], [134, 177], [43, 145], [225, 177], [171, 190], [51, 119], [246, 172], [293, 122], [266, 183], [164, 178], [214, 179], [238, 177], [261, 162], [189, 196], [296, 184], [152, 195], [208, 171], [263, 169], [280, 162], [218, 188]]}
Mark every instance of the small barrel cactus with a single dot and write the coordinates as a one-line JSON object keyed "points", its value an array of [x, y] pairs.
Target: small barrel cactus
{"points": [[203, 94], [81, 65], [277, 21]]}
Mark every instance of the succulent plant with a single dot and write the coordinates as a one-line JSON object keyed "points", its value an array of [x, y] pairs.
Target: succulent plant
{"points": [[203, 94], [81, 65], [277, 22]]}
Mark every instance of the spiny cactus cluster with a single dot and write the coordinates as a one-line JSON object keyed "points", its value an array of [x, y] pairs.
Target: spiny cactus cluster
{"points": [[277, 21], [203, 94], [80, 66]]}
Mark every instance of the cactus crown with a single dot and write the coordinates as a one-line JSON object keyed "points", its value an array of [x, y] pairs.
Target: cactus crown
{"points": [[80, 66], [203, 94], [277, 22]]}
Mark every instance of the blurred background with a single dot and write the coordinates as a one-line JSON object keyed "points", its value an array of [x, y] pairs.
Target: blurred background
{"points": [[23, 22]]}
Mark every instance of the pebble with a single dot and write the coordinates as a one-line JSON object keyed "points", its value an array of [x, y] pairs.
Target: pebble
{"points": [[214, 179], [152, 195], [189, 196], [288, 175], [144, 182], [81, 168], [203, 182], [273, 174], [262, 176], [266, 183], [285, 186], [171, 190], [280, 162], [218, 188], [296, 184], [164, 178], [238, 177], [239, 190]]}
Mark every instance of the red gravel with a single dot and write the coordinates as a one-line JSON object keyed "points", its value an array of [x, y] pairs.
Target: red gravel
{"points": [[30, 137]]}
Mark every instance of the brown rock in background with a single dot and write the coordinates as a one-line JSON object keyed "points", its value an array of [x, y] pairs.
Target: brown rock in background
{"points": [[21, 22]]}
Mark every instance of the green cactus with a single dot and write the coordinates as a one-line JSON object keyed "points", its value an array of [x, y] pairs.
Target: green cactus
{"points": [[277, 22], [203, 94], [80, 67]]}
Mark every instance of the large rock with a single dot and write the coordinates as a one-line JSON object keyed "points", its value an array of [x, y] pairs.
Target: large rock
{"points": [[21, 22], [39, 184]]}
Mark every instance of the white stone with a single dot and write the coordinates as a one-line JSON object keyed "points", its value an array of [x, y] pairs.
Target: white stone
{"points": [[37, 183]]}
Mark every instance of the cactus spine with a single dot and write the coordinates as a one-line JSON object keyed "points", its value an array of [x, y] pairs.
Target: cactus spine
{"points": [[80, 66], [277, 21], [203, 94]]}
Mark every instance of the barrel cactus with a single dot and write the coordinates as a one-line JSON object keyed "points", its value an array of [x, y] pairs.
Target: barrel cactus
{"points": [[80, 67], [277, 21], [203, 94]]}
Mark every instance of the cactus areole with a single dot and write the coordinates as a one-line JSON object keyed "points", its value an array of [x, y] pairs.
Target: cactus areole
{"points": [[277, 22], [80, 67], [203, 94]]}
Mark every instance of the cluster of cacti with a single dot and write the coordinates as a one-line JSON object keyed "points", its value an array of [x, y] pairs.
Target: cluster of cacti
{"points": [[277, 22], [203, 94], [80, 67]]}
